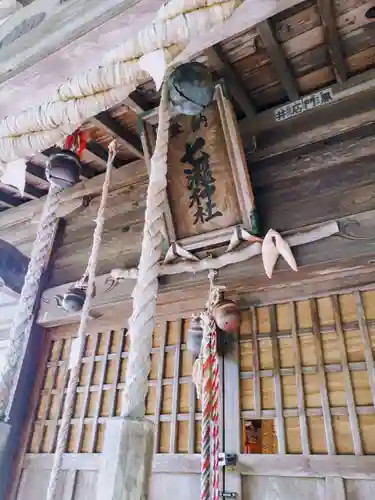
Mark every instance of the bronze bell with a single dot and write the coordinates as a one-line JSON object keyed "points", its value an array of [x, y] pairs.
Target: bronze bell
{"points": [[63, 169], [195, 336], [72, 301], [227, 315]]}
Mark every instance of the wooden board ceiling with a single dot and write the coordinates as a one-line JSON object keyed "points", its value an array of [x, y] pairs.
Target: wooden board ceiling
{"points": [[305, 48]]}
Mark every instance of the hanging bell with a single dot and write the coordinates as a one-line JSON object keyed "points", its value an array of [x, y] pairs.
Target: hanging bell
{"points": [[63, 169], [72, 301], [195, 336], [227, 315], [191, 88]]}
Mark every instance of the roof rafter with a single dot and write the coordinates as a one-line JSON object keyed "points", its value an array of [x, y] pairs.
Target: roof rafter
{"points": [[278, 60], [218, 58], [332, 38], [113, 127]]}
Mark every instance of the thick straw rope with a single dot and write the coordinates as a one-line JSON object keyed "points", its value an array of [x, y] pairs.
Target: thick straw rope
{"points": [[142, 322], [23, 320], [74, 374], [83, 96]]}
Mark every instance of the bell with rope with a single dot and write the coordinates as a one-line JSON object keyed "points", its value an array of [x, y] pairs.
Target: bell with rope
{"points": [[64, 167], [72, 301], [191, 88], [227, 315]]}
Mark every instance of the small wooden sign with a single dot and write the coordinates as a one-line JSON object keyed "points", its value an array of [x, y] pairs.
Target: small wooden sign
{"points": [[307, 103], [209, 188]]}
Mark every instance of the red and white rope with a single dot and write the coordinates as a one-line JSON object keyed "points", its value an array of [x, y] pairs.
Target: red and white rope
{"points": [[210, 410]]}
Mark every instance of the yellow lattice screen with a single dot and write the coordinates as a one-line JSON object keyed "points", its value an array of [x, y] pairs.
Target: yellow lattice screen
{"points": [[330, 342], [171, 399], [308, 366]]}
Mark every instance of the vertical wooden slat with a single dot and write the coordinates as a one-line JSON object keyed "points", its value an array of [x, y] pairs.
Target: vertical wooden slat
{"points": [[280, 429], [103, 370], [256, 365], [48, 400], [232, 417], [175, 392], [191, 425], [70, 484], [299, 382], [366, 344], [335, 489], [117, 361], [86, 394], [54, 425], [353, 419], [331, 448], [159, 383]]}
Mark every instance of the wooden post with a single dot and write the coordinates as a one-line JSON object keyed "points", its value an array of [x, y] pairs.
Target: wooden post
{"points": [[126, 460], [4, 445], [232, 421]]}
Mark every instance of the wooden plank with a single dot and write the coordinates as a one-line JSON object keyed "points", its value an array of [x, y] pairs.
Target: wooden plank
{"points": [[299, 382], [70, 484], [346, 466], [87, 385], [103, 370], [159, 386], [328, 430], [278, 60], [191, 425], [232, 418], [256, 364], [335, 488], [219, 59], [48, 401], [117, 365], [28, 424], [280, 428], [366, 343], [354, 425], [114, 128], [175, 390], [332, 38], [348, 98]]}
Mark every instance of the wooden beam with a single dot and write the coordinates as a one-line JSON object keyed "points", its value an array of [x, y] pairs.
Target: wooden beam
{"points": [[114, 128], [36, 171], [349, 467], [10, 201], [278, 60], [34, 192], [236, 88], [350, 103], [53, 55], [328, 16], [102, 154]]}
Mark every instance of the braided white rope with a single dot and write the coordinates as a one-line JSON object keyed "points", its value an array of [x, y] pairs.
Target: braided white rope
{"points": [[83, 96], [74, 374], [23, 320], [142, 322]]}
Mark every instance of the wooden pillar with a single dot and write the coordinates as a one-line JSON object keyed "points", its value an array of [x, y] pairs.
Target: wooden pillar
{"points": [[126, 460], [4, 439], [232, 420]]}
